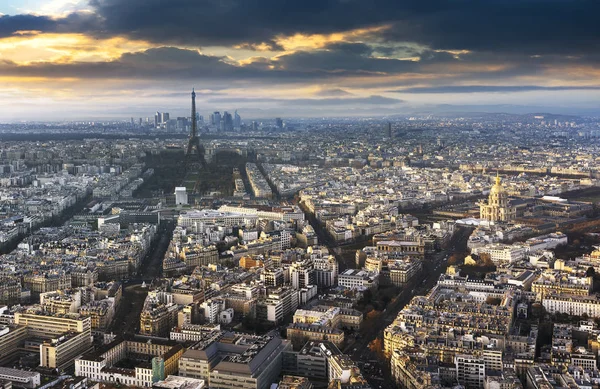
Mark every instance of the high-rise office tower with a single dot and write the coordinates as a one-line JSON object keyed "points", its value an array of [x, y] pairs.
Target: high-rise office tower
{"points": [[182, 123], [157, 119], [237, 121], [389, 130], [217, 119], [227, 122], [278, 123]]}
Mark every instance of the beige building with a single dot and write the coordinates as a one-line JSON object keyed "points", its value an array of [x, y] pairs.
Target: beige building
{"points": [[401, 272], [11, 339], [326, 316], [65, 336], [45, 326], [497, 208], [199, 255], [40, 283], [406, 374], [158, 321], [10, 291], [301, 332], [60, 352], [551, 282], [101, 313]]}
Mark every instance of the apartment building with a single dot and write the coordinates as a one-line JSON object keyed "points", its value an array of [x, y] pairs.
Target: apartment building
{"points": [[60, 352], [235, 361]]}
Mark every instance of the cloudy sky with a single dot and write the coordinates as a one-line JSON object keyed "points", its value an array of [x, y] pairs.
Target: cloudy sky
{"points": [[77, 59]]}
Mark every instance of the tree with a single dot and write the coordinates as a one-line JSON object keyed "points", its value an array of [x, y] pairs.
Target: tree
{"points": [[453, 260], [486, 259], [386, 300], [373, 314], [376, 346], [590, 272], [537, 311]]}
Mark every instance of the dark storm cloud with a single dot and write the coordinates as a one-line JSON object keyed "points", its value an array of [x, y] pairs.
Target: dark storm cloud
{"points": [[335, 62], [74, 22], [343, 58], [536, 26], [10, 24], [175, 63], [531, 26], [228, 22], [492, 89], [164, 63]]}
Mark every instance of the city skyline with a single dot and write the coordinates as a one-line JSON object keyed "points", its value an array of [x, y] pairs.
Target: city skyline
{"points": [[110, 59]]}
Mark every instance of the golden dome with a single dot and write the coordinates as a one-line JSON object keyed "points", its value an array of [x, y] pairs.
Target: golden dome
{"points": [[497, 188]]}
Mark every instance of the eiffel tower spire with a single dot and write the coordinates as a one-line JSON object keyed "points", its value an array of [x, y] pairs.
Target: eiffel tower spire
{"points": [[194, 122], [195, 152]]}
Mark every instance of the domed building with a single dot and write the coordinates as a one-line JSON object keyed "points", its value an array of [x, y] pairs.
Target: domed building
{"points": [[497, 208]]}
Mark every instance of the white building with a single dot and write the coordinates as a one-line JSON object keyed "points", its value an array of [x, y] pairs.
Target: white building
{"points": [[181, 196], [199, 217], [212, 308], [470, 371], [501, 253], [573, 305], [353, 278], [302, 274], [226, 316], [20, 378], [176, 382], [280, 303], [193, 332], [326, 271]]}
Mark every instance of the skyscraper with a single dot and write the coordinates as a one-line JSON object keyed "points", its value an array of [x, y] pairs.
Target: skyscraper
{"points": [[237, 121], [389, 130], [157, 119], [227, 122], [164, 117], [182, 123], [217, 119], [278, 123]]}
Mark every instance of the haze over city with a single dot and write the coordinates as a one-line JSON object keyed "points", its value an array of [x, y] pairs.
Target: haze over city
{"points": [[105, 59]]}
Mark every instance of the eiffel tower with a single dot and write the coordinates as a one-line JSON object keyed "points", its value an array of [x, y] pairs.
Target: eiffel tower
{"points": [[194, 156]]}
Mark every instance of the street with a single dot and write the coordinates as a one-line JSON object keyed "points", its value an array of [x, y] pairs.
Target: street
{"points": [[376, 371], [127, 317]]}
